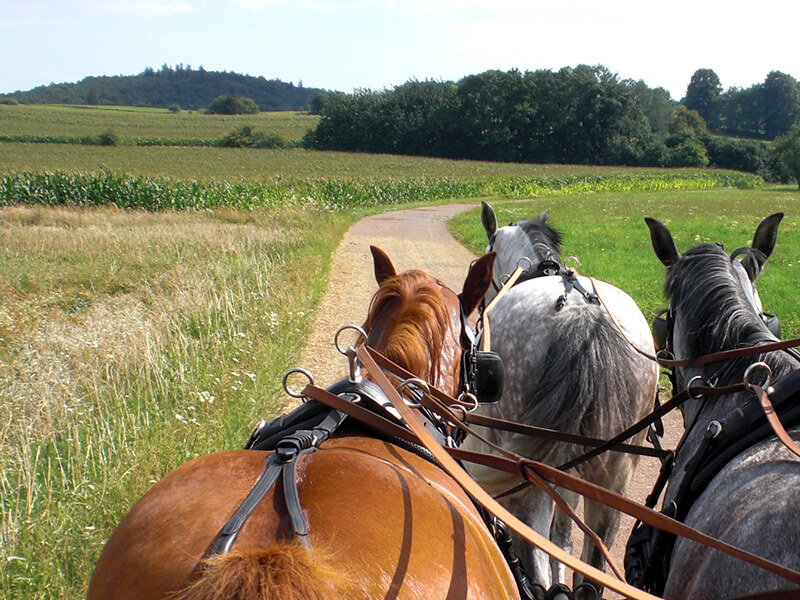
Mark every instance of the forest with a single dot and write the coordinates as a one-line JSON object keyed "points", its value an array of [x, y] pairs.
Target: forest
{"points": [[581, 115], [180, 86]]}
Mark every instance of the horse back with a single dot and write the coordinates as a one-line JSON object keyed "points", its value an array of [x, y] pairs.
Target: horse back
{"points": [[388, 519], [760, 492]]}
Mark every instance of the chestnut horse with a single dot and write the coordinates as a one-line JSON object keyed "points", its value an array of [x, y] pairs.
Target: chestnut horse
{"points": [[382, 522]]}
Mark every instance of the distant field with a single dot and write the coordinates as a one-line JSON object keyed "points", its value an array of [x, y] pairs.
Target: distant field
{"points": [[131, 122], [234, 164]]}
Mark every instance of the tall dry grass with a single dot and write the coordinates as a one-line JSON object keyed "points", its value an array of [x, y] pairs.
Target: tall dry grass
{"points": [[129, 343]]}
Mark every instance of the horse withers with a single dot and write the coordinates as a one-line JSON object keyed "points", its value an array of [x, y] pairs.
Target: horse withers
{"points": [[572, 365], [731, 478], [382, 522]]}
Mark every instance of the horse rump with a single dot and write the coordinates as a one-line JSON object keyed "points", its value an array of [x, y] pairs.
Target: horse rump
{"points": [[281, 571]]}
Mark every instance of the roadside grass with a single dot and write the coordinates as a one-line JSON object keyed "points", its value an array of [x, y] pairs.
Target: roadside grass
{"points": [[143, 123], [607, 233], [131, 342]]}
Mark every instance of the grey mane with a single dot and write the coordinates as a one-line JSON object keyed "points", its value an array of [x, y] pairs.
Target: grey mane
{"points": [[702, 286], [539, 232]]}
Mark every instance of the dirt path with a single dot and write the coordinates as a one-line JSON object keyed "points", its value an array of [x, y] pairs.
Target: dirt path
{"points": [[417, 238]]}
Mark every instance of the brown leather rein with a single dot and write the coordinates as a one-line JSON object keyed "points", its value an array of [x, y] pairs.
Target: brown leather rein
{"points": [[534, 472]]}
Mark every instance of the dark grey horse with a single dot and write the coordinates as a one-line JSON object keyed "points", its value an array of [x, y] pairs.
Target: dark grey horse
{"points": [[753, 501], [567, 367]]}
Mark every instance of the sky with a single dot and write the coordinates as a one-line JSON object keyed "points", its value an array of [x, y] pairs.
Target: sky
{"points": [[378, 44]]}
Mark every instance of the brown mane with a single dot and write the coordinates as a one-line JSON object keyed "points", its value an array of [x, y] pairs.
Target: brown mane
{"points": [[415, 316]]}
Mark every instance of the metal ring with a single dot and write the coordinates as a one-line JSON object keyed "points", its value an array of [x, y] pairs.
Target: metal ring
{"points": [[420, 383], [572, 259], [289, 390], [343, 328], [689, 386], [664, 354], [463, 410], [504, 278], [468, 396], [749, 370], [520, 262]]}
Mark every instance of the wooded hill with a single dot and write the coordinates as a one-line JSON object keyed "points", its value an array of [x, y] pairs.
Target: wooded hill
{"points": [[181, 86]]}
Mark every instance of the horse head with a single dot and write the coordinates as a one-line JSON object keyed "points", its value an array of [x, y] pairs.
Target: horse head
{"points": [[714, 304], [531, 244], [418, 322]]}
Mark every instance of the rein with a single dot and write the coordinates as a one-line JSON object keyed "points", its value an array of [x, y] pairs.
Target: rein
{"points": [[535, 472]]}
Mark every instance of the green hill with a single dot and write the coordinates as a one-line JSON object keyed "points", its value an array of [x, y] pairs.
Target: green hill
{"points": [[182, 86]]}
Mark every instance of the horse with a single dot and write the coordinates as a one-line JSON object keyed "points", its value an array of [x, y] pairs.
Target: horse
{"points": [[748, 495], [382, 522], [572, 365]]}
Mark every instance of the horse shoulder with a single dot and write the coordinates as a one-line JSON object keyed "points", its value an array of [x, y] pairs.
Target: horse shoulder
{"points": [[760, 489]]}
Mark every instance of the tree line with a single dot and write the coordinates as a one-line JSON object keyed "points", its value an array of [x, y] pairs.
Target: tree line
{"points": [[581, 115], [181, 86]]}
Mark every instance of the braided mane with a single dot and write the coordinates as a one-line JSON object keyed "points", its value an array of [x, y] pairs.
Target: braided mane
{"points": [[417, 319]]}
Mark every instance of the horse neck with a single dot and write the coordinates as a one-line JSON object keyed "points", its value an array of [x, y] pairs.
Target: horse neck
{"points": [[699, 413]]}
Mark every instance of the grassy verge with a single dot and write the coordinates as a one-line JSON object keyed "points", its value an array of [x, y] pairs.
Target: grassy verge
{"points": [[129, 343]]}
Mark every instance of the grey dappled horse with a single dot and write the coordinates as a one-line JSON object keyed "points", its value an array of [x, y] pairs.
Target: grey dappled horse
{"points": [[753, 501], [567, 367]]}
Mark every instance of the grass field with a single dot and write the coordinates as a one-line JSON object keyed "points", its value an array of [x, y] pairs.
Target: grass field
{"points": [[132, 340], [607, 233], [129, 122]]}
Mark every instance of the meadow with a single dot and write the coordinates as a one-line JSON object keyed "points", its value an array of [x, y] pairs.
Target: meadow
{"points": [[134, 336], [132, 123]]}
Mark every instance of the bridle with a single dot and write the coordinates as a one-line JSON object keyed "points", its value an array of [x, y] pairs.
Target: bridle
{"points": [[664, 323]]}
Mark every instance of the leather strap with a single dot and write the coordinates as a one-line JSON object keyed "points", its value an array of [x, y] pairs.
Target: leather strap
{"points": [[707, 358], [487, 342], [552, 434], [528, 469], [774, 421], [449, 464]]}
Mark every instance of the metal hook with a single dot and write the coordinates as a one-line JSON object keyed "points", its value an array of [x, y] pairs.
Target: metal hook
{"points": [[689, 386], [420, 384], [350, 352], [290, 391], [471, 397], [749, 371], [343, 328], [522, 261], [572, 262]]}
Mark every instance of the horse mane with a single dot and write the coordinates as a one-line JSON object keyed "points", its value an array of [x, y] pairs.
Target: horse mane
{"points": [[704, 288], [418, 322], [539, 232]]}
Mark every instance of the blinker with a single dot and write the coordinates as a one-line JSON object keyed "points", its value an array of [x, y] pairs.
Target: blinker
{"points": [[661, 329], [772, 323], [489, 376]]}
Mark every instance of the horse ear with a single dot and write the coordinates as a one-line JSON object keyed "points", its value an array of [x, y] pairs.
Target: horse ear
{"points": [[477, 282], [384, 269], [764, 241], [766, 235], [663, 244], [489, 219], [542, 218]]}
